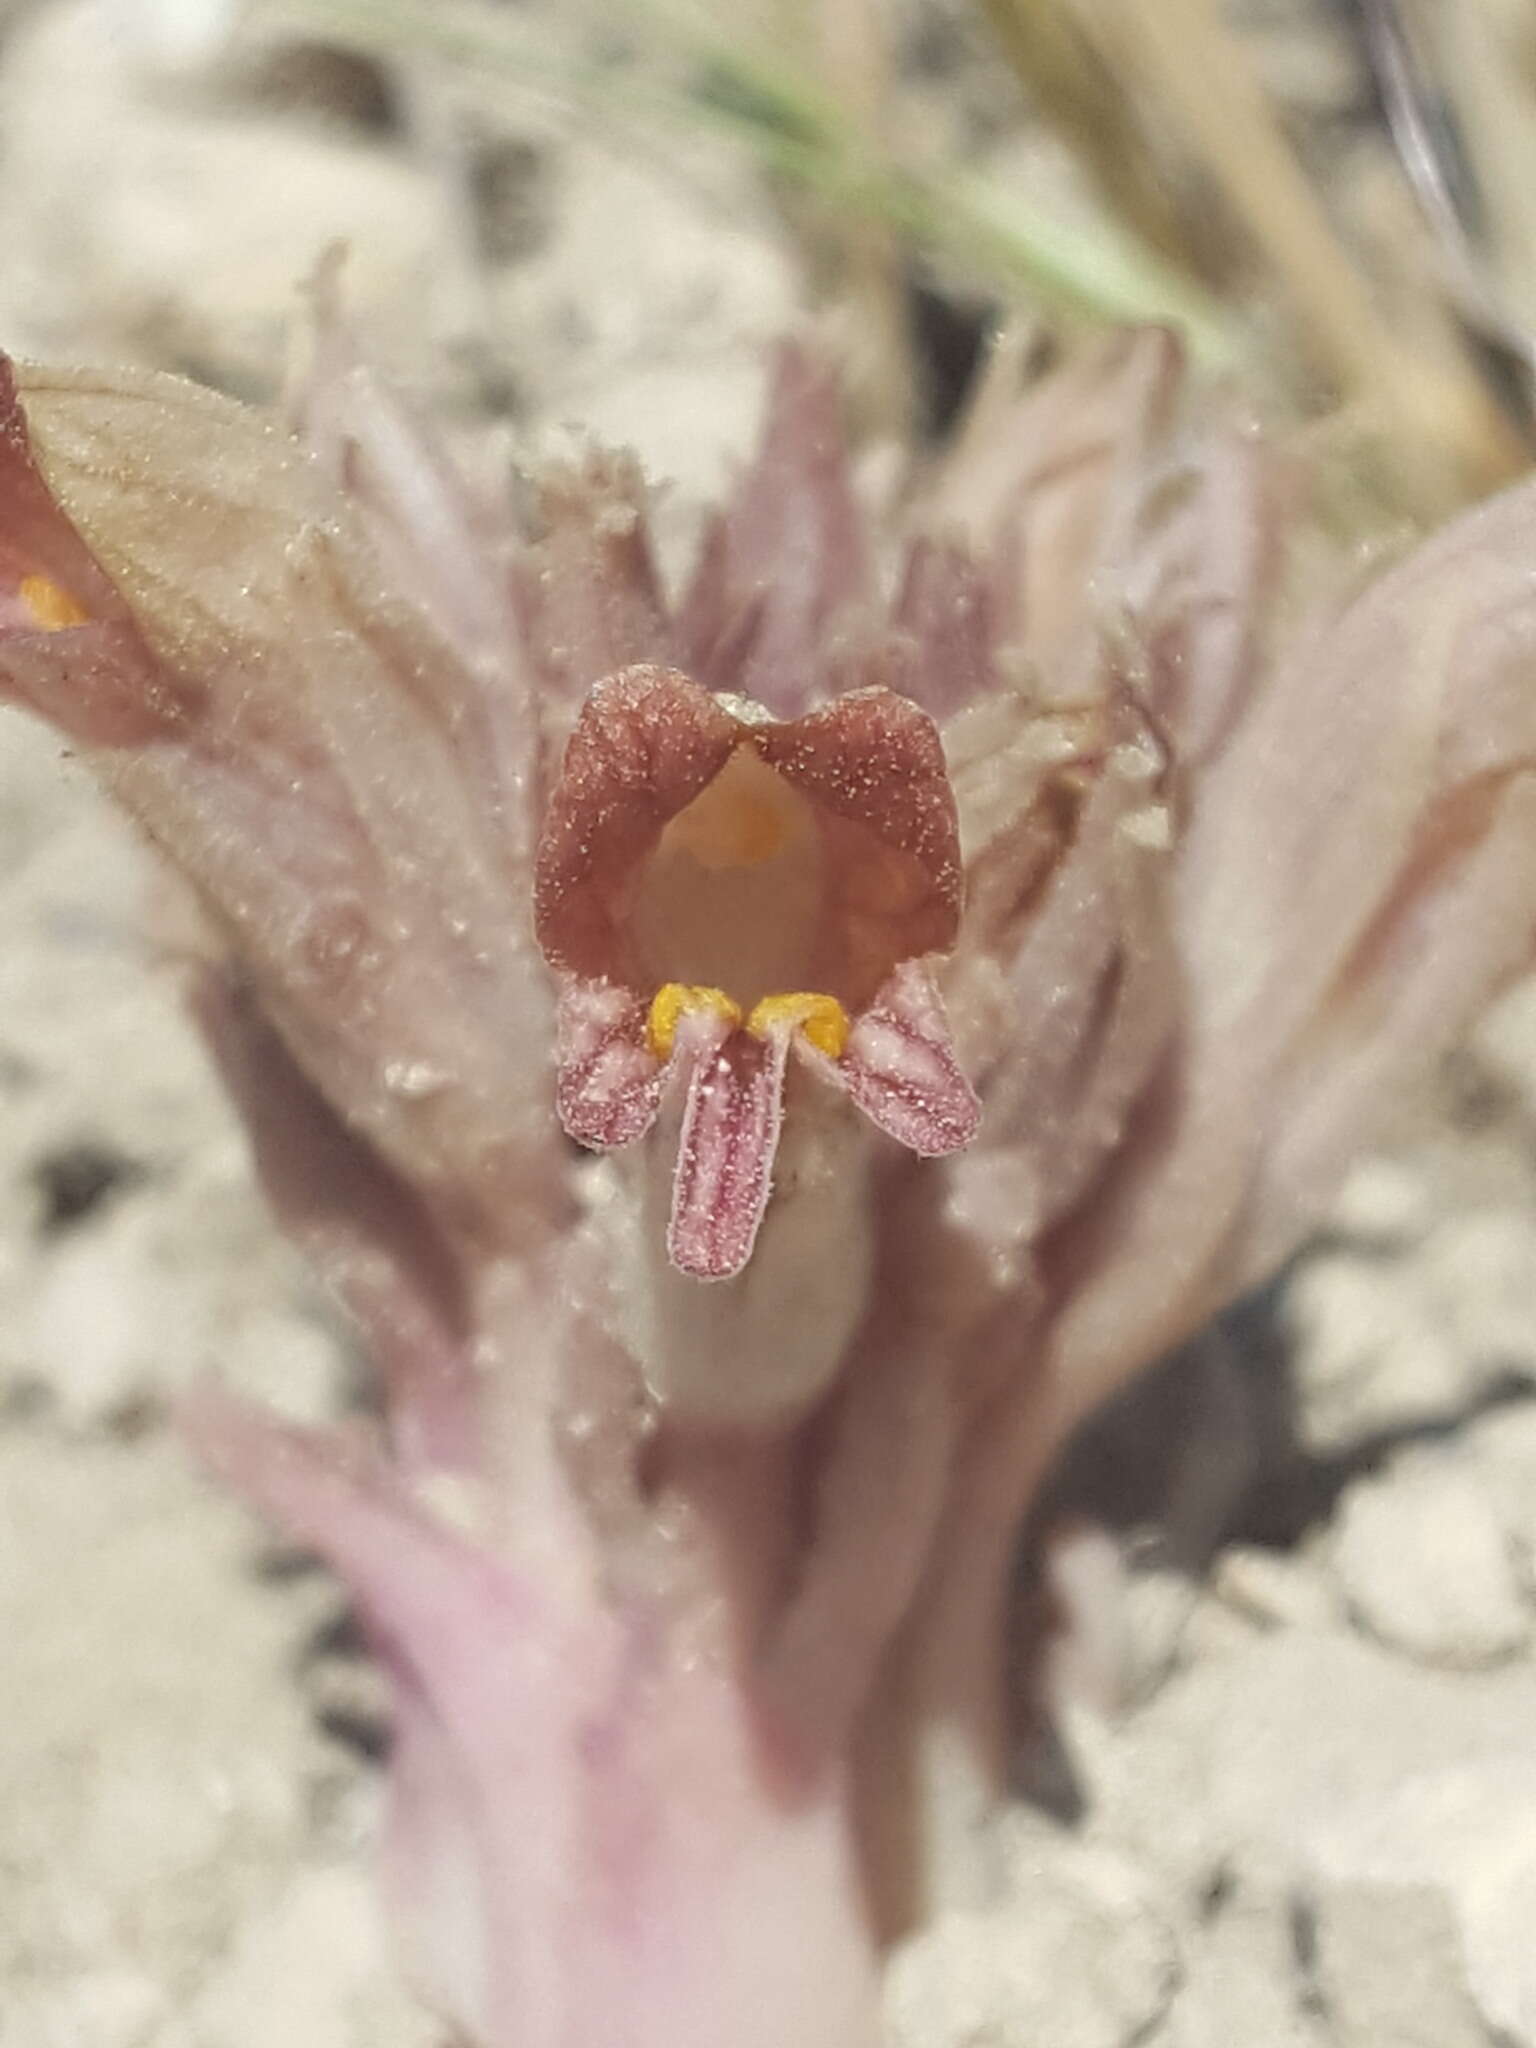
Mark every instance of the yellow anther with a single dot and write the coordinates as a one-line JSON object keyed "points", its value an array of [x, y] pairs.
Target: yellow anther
{"points": [[822, 1018], [51, 605], [673, 1001]]}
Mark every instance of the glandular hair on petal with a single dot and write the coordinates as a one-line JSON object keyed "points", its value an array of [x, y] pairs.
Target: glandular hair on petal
{"points": [[757, 1351]]}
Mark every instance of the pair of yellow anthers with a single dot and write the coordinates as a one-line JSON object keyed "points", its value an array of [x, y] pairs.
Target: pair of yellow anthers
{"points": [[822, 1018]]}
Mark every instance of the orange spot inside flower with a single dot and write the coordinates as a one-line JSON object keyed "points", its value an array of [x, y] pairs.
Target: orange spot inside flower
{"points": [[52, 606], [822, 1018], [675, 1000], [732, 896], [735, 822]]}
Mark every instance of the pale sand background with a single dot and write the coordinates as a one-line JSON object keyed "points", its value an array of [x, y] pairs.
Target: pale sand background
{"points": [[1301, 1735]]}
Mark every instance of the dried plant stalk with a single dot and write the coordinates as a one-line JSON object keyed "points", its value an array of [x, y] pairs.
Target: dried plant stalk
{"points": [[1180, 57]]}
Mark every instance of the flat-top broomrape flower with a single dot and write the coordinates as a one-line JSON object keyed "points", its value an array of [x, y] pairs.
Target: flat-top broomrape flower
{"points": [[955, 994], [719, 887]]}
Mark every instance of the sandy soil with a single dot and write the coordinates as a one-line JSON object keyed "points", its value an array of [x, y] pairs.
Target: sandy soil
{"points": [[1292, 1793]]}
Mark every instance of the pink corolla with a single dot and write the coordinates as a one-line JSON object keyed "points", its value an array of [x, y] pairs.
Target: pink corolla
{"points": [[964, 960], [717, 887]]}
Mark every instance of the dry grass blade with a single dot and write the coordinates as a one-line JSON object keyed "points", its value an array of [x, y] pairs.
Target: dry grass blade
{"points": [[698, 79], [863, 254], [1180, 58], [1433, 149], [1090, 100], [1486, 55]]}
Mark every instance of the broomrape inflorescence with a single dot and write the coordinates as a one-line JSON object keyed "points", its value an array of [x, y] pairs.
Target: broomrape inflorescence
{"points": [[955, 996]]}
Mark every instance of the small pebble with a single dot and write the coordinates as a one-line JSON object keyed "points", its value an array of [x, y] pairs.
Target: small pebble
{"points": [[1367, 1352], [1077, 1956], [1383, 1204], [1390, 1967], [1275, 1590], [1424, 1565], [1478, 1271], [1241, 1983]]}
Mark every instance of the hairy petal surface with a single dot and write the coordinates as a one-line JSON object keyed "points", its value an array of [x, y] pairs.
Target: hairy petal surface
{"points": [[1354, 873], [608, 1084], [944, 609], [733, 1111], [787, 558], [647, 742], [590, 599], [1377, 798], [269, 731], [591, 1836], [449, 550], [900, 1068], [365, 1232], [73, 651], [1049, 491], [1222, 909]]}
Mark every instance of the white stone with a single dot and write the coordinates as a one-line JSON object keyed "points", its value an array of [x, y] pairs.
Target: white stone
{"points": [[1465, 1826], [1384, 1203], [1368, 1353], [1424, 1564], [309, 1972], [1319, 1760], [1505, 1039], [1478, 1272], [1170, 1620], [642, 322], [202, 221], [1274, 1588], [1087, 1662], [1241, 1984], [1500, 1913], [1500, 1447], [156, 1756], [1390, 1968], [177, 1279], [1078, 1956]]}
